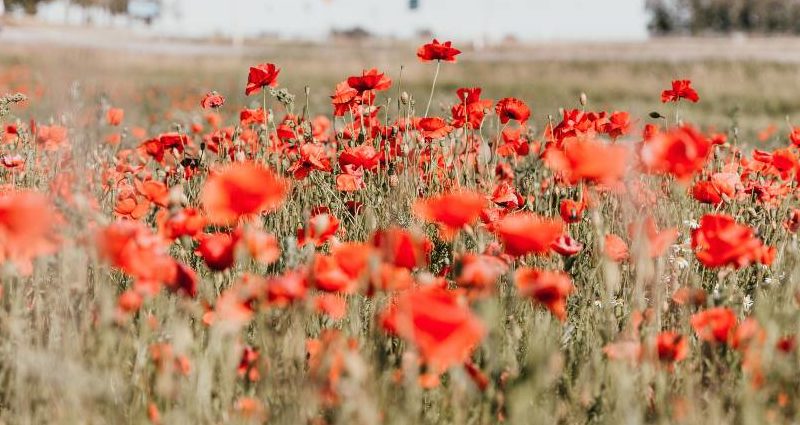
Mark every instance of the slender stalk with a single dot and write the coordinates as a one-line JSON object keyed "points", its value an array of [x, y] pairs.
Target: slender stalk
{"points": [[433, 87]]}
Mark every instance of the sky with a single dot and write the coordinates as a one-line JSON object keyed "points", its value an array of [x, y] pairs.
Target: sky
{"points": [[473, 20]]}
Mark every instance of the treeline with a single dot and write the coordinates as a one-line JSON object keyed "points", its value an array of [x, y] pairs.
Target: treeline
{"points": [[115, 6], [724, 16]]}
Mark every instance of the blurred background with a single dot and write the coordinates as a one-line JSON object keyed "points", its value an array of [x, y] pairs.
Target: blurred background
{"points": [[164, 54]]}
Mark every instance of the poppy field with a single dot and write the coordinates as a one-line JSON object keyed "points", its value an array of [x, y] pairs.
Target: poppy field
{"points": [[396, 254]]}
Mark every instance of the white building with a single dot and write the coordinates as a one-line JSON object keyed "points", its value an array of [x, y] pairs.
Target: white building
{"points": [[473, 20]]}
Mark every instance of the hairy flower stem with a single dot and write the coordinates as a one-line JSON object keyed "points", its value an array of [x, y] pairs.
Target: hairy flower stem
{"points": [[433, 87]]}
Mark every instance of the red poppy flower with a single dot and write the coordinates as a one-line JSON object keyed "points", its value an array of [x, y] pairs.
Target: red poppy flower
{"points": [[588, 160], [434, 128], [12, 162], [242, 190], [321, 227], [681, 89], [27, 229], [720, 241], [114, 116], [706, 192], [549, 288], [262, 246], [511, 108], [365, 156], [671, 347], [212, 100], [715, 324], [287, 288], [442, 328], [526, 233], [571, 211], [369, 80], [470, 108], [682, 152], [615, 248], [218, 250], [438, 51], [479, 271], [566, 246], [264, 75], [402, 248], [618, 125], [186, 222], [134, 249], [451, 211]]}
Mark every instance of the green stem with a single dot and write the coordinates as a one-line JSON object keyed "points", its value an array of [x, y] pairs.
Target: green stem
{"points": [[433, 87]]}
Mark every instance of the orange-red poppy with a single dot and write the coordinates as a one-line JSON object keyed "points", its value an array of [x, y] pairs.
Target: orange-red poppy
{"points": [[437, 323], [451, 211], [526, 233], [242, 190]]}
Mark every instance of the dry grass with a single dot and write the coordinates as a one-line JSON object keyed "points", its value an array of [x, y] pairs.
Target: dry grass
{"points": [[66, 357]]}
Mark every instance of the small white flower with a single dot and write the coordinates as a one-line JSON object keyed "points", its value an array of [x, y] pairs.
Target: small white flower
{"points": [[747, 303]]}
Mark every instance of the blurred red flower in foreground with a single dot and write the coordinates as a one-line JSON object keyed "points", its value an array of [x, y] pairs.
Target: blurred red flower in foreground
{"points": [[451, 211], [681, 89], [588, 160], [433, 319], [242, 190], [615, 248], [715, 324], [27, 224], [720, 241], [682, 152], [527, 233], [264, 75], [438, 51], [549, 288], [131, 246]]}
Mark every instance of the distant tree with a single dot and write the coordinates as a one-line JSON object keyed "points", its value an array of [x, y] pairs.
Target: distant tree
{"points": [[724, 16], [29, 6]]}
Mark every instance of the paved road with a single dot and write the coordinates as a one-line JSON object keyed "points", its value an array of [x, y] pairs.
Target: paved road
{"points": [[783, 50]]}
